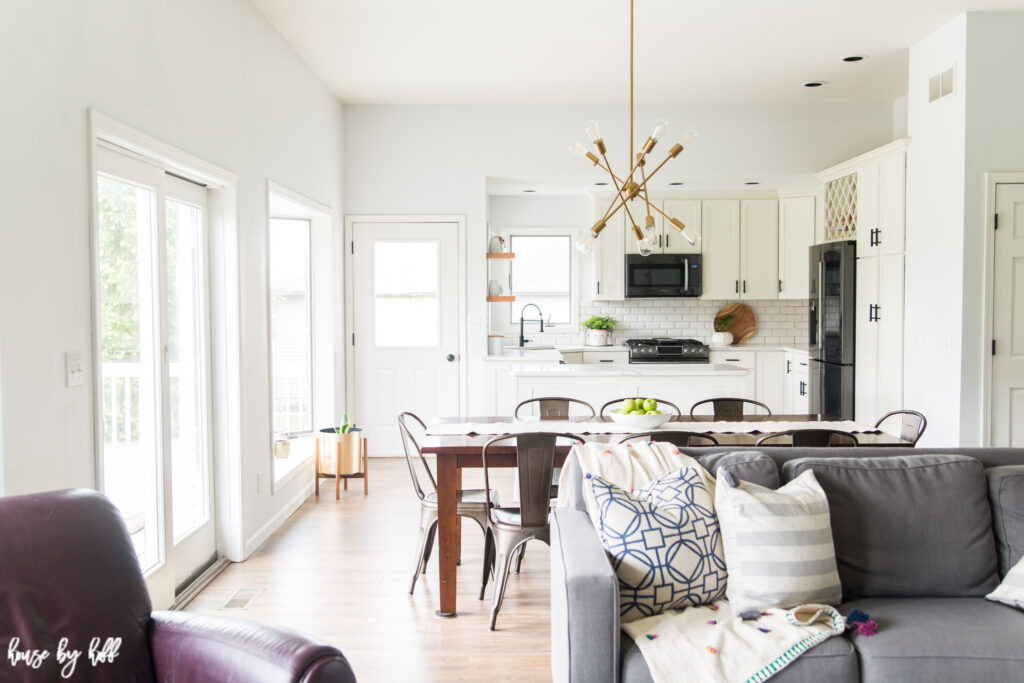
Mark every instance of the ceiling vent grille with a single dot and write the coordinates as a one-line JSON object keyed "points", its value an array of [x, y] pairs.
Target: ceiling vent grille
{"points": [[941, 84]]}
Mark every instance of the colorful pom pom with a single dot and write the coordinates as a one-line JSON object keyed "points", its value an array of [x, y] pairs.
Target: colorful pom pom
{"points": [[856, 617], [713, 608], [588, 475], [712, 622], [712, 651], [867, 628], [764, 630], [651, 636]]}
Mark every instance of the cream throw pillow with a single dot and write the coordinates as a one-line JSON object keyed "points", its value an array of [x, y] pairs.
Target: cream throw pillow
{"points": [[778, 544], [1011, 590]]}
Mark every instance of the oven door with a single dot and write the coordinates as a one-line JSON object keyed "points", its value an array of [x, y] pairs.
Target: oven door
{"points": [[663, 275]]}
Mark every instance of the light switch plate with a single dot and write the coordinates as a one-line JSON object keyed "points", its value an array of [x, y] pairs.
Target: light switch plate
{"points": [[74, 372]]}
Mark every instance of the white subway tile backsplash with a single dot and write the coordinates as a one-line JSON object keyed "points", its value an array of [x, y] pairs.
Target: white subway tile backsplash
{"points": [[778, 321]]}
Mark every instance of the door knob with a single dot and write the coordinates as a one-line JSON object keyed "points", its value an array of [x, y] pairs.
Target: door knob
{"points": [[450, 357]]}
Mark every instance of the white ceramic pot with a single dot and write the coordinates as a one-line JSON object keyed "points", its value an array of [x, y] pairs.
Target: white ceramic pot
{"points": [[597, 338], [721, 338]]}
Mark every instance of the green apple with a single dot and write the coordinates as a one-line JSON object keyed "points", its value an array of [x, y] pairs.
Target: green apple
{"points": [[636, 412], [651, 412], [650, 404], [628, 405]]}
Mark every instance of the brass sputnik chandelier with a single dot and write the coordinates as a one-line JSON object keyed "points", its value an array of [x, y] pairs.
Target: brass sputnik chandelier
{"points": [[630, 189]]}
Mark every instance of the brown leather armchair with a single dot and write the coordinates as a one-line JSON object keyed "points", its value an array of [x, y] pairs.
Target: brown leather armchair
{"points": [[68, 570]]}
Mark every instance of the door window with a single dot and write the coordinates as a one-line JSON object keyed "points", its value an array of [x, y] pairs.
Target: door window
{"points": [[406, 288]]}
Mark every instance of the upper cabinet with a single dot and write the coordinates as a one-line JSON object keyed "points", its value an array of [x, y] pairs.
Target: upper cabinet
{"points": [[670, 240], [609, 264], [796, 235], [741, 248]]}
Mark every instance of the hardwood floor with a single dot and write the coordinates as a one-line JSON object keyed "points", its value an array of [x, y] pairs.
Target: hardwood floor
{"points": [[340, 570]]}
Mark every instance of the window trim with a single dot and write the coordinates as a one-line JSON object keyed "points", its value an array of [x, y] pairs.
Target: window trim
{"points": [[285, 203], [574, 284]]}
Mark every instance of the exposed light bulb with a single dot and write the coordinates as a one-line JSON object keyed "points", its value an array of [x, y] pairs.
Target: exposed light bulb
{"points": [[586, 244], [643, 248], [575, 147], [659, 128], [689, 136], [593, 131], [690, 238]]}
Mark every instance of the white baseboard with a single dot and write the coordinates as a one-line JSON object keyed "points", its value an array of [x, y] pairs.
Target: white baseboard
{"points": [[257, 539]]}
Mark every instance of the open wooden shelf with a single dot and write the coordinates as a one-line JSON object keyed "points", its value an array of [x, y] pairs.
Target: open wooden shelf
{"points": [[500, 298], [500, 254]]}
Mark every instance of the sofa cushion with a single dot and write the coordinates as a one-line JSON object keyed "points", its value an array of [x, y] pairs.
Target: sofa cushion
{"points": [[1011, 588], [778, 544], [833, 660], [940, 639], [908, 526], [664, 542], [1006, 493], [752, 466]]}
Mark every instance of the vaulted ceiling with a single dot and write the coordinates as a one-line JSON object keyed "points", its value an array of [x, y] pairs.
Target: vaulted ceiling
{"points": [[563, 51]]}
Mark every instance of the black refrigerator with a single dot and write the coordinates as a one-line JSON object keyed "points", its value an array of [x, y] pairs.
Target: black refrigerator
{"points": [[832, 305]]}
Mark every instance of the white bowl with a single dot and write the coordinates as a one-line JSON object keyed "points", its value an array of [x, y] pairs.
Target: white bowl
{"points": [[641, 423]]}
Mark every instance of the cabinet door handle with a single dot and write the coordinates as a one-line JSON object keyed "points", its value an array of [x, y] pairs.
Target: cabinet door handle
{"points": [[606, 360], [737, 286], [780, 286], [744, 286], [666, 241], [788, 368], [598, 286], [659, 241], [732, 360], [803, 388], [878, 314]]}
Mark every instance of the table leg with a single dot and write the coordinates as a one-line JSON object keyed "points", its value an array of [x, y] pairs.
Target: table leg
{"points": [[458, 525], [447, 530]]}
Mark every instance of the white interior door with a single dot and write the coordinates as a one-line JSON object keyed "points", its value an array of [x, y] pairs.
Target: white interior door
{"points": [[154, 393], [405, 296], [1008, 318]]}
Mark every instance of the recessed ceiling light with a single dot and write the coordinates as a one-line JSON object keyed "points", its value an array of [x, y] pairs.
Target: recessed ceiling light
{"points": [[600, 183], [529, 190], [814, 84], [676, 183], [752, 182], [853, 58]]}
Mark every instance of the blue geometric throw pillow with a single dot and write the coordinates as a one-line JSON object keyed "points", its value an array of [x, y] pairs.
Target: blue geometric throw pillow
{"points": [[664, 543]]}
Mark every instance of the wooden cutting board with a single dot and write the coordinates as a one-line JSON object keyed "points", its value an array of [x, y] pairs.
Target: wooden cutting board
{"points": [[743, 323]]}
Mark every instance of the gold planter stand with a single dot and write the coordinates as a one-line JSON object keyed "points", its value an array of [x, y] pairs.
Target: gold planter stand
{"points": [[349, 460]]}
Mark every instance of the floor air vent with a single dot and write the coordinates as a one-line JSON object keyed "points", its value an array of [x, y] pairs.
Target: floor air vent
{"points": [[242, 598]]}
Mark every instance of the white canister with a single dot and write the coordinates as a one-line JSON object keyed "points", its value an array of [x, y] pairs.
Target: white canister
{"points": [[495, 344]]}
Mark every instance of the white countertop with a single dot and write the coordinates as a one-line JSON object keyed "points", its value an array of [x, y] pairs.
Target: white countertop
{"points": [[517, 355], [634, 370], [796, 348]]}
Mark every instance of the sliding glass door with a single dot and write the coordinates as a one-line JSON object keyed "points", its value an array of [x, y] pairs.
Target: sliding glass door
{"points": [[153, 366]]}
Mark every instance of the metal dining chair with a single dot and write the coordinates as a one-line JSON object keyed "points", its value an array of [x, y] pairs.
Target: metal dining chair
{"points": [[802, 438], [730, 407], [681, 439], [555, 406], [509, 528], [618, 401], [912, 424], [471, 503]]}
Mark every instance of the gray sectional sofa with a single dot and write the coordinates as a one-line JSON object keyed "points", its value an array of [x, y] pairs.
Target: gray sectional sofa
{"points": [[921, 537]]}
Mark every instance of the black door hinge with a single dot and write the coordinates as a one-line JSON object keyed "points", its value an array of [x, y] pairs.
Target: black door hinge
{"points": [[353, 339], [993, 347], [352, 246], [995, 221]]}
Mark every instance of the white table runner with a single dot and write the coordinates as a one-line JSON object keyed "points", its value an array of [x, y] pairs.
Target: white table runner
{"points": [[437, 428]]}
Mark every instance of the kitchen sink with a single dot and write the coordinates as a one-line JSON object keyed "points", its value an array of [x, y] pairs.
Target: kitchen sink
{"points": [[529, 347]]}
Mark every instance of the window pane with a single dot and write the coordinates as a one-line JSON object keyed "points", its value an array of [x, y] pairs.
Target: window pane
{"points": [[541, 274], [406, 285], [189, 452], [291, 334], [129, 368]]}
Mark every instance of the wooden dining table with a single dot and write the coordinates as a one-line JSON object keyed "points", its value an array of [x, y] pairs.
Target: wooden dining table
{"points": [[455, 452]]}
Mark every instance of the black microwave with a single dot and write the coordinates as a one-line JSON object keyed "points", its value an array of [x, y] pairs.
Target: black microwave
{"points": [[662, 275]]}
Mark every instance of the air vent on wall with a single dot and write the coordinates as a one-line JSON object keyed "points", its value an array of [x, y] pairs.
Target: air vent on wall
{"points": [[941, 85]]}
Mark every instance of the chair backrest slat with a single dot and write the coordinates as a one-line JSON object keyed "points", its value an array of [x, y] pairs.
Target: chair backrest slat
{"points": [[811, 438], [413, 453], [535, 461], [676, 438], [555, 406], [912, 424], [729, 407]]}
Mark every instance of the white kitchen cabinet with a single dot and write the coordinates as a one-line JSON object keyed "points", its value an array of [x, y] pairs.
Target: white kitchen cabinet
{"points": [[572, 357], [609, 261], [867, 207], [770, 379], [796, 235], [797, 390], [605, 357], [879, 362], [741, 248], [689, 212], [759, 249], [720, 273], [742, 359], [881, 205]]}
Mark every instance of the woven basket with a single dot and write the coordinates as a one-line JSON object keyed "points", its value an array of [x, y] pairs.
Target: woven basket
{"points": [[282, 448]]}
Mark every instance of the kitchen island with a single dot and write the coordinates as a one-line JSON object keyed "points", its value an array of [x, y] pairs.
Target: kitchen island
{"points": [[682, 384]]}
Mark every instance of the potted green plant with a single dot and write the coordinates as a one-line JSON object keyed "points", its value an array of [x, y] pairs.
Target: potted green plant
{"points": [[722, 336], [599, 328], [341, 444]]}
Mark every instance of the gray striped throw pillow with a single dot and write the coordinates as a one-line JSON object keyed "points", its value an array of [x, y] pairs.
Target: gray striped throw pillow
{"points": [[778, 544], [1011, 590]]}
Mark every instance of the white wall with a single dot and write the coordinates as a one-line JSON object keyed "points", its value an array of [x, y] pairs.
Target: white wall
{"points": [[899, 118], [934, 241], [211, 78], [435, 159], [995, 142]]}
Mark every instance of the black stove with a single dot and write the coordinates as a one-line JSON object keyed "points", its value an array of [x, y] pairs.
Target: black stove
{"points": [[662, 350]]}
